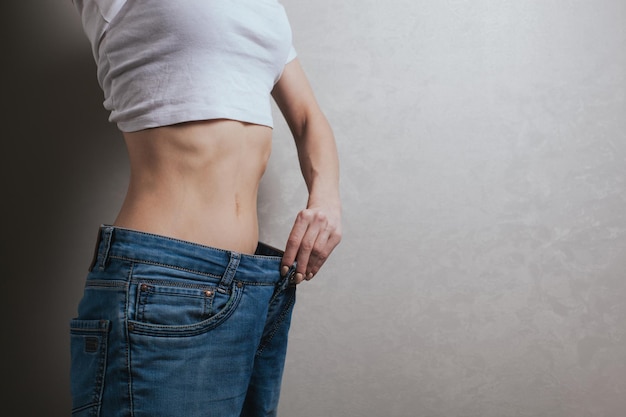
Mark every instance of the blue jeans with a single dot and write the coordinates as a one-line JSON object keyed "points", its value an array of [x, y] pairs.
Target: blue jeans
{"points": [[171, 328]]}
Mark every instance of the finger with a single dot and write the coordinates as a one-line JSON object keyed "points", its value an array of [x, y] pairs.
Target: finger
{"points": [[297, 278], [293, 243], [318, 254], [332, 240], [306, 247]]}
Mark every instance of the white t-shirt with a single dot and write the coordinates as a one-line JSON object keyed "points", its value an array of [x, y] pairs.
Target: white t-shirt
{"points": [[162, 62]]}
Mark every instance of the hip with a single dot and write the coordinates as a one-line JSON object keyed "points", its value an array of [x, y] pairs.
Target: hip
{"points": [[203, 314]]}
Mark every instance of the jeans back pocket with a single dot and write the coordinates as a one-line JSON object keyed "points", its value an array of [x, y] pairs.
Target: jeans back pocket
{"points": [[89, 339]]}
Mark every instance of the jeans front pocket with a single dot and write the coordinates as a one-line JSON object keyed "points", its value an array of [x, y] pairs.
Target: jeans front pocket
{"points": [[171, 303], [169, 309], [89, 339]]}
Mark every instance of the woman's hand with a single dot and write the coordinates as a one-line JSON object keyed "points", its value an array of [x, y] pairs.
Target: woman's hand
{"points": [[315, 233]]}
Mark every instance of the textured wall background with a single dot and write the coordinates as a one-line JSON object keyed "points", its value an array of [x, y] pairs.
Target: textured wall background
{"points": [[483, 146]]}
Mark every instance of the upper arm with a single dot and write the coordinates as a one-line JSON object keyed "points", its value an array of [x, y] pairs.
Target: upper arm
{"points": [[295, 99]]}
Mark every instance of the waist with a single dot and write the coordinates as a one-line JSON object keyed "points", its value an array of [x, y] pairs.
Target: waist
{"points": [[141, 247]]}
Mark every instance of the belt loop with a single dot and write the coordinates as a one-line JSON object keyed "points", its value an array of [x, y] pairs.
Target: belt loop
{"points": [[229, 274], [94, 258], [106, 233]]}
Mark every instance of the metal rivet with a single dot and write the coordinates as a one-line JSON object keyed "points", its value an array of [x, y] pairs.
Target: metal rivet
{"points": [[208, 293], [144, 287], [239, 284], [131, 327]]}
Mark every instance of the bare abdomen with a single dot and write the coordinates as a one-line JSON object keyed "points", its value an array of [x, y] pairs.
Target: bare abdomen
{"points": [[197, 182]]}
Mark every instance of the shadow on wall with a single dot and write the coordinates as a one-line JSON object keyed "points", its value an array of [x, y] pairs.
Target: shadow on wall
{"points": [[59, 143]]}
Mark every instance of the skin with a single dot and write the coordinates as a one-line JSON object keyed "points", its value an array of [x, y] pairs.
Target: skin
{"points": [[198, 181]]}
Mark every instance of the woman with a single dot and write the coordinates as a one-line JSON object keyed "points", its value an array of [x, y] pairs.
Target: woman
{"points": [[184, 312]]}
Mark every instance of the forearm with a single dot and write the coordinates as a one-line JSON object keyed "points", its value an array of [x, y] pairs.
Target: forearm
{"points": [[317, 153]]}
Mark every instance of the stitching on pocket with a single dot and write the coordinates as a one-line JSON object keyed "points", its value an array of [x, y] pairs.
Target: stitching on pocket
{"points": [[204, 326]]}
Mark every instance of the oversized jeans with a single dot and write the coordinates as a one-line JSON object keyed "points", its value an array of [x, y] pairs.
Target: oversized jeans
{"points": [[176, 329]]}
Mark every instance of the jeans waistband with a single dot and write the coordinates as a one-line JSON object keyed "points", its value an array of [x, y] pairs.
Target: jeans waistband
{"points": [[119, 243]]}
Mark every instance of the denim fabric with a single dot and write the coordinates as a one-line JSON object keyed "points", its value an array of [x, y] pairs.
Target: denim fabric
{"points": [[176, 329]]}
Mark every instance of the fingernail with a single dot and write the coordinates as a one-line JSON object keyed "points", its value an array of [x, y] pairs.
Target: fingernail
{"points": [[284, 270], [299, 277], [309, 275]]}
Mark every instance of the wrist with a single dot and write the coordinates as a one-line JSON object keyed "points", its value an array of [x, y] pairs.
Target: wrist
{"points": [[326, 202]]}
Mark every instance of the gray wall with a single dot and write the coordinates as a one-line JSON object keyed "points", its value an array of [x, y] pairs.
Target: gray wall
{"points": [[483, 149]]}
